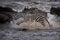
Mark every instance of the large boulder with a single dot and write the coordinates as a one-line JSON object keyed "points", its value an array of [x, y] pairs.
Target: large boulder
{"points": [[6, 9], [5, 14], [3, 18], [55, 11]]}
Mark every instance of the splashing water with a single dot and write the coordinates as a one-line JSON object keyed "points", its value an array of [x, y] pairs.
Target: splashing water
{"points": [[53, 21]]}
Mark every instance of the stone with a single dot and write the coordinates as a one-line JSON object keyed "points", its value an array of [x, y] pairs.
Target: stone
{"points": [[5, 14], [55, 11]]}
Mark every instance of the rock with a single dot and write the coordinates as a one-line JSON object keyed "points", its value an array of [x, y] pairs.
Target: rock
{"points": [[5, 14], [55, 11], [6, 9], [3, 18]]}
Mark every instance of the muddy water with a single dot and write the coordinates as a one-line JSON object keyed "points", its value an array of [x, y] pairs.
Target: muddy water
{"points": [[7, 33]]}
